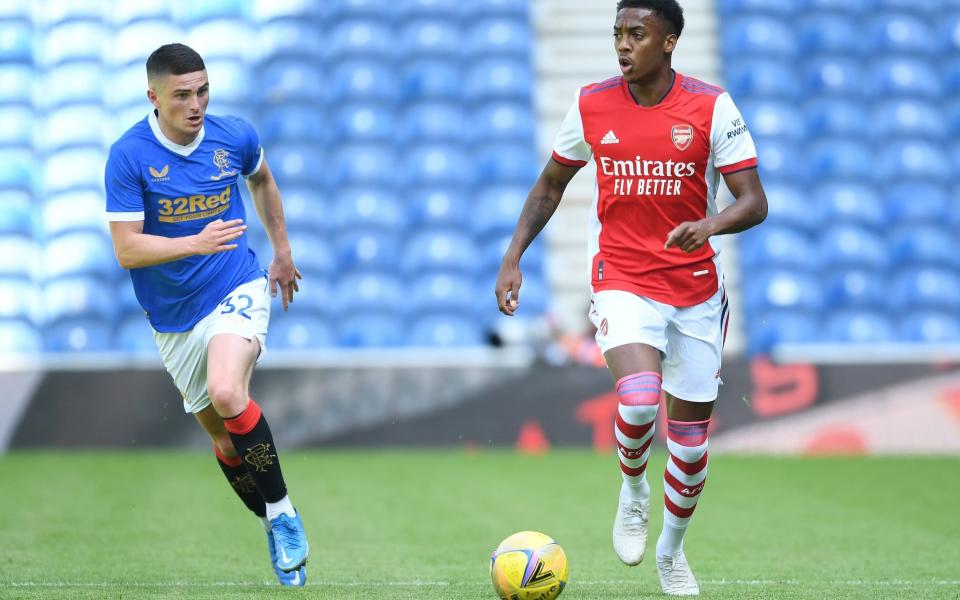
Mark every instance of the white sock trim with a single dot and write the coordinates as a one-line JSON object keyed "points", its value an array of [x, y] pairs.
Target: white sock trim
{"points": [[280, 507]]}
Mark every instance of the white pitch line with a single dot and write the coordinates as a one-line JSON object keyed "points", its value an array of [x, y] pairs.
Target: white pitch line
{"points": [[428, 583]]}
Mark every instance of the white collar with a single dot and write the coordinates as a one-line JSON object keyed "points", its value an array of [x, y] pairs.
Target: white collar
{"points": [[170, 145]]}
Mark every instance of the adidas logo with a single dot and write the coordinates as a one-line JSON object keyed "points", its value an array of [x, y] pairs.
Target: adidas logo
{"points": [[609, 138]]}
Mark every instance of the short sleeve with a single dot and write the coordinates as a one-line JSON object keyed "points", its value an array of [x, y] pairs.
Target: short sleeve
{"points": [[733, 148], [570, 148], [124, 188], [252, 150]]}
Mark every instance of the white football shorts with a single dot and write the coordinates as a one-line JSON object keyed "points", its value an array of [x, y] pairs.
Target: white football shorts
{"points": [[244, 312], [690, 339]]}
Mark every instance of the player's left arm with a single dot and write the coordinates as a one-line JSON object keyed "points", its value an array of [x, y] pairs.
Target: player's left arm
{"points": [[266, 199], [749, 209]]}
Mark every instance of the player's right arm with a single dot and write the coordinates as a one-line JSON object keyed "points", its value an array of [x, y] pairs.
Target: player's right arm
{"points": [[135, 249]]}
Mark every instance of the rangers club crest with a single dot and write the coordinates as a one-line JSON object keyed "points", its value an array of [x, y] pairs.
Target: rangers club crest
{"points": [[682, 136]]}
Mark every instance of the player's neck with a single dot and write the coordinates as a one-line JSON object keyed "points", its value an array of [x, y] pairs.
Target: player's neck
{"points": [[653, 91], [177, 137]]}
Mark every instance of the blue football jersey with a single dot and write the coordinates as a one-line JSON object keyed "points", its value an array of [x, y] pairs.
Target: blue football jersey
{"points": [[176, 191]]}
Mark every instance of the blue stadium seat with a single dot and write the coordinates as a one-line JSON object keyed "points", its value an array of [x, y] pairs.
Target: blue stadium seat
{"points": [[777, 247], [304, 208], [758, 36], [22, 11], [70, 297], [16, 42], [503, 122], [489, 37], [125, 13], [21, 300], [135, 42], [412, 9], [439, 249], [932, 327], [856, 288], [17, 169], [17, 337], [445, 331], [76, 125], [339, 10], [904, 76], [789, 205], [492, 251], [908, 117], [16, 126], [949, 32], [912, 158], [289, 331], [306, 11], [231, 80], [364, 80], [780, 160], [496, 209], [507, 163], [288, 80], [209, 10], [74, 83], [432, 79], [75, 41], [368, 207], [360, 38], [363, 122], [773, 118], [437, 164], [858, 326], [431, 37], [830, 33], [768, 329], [294, 38], [827, 116], [499, 8], [73, 211], [19, 257], [840, 158], [311, 253], [833, 75], [900, 33], [79, 334], [918, 202], [370, 291], [781, 8], [852, 246], [298, 163], [951, 109], [854, 7], [16, 85], [363, 164], [933, 288], [289, 122], [763, 78], [74, 168], [534, 294], [920, 245], [432, 122], [780, 289], [848, 202], [133, 333], [367, 248], [431, 206], [370, 330], [17, 214], [128, 88], [928, 8], [441, 291], [499, 79], [80, 253]]}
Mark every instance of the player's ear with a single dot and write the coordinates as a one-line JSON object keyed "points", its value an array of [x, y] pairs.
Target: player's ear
{"points": [[669, 43]]}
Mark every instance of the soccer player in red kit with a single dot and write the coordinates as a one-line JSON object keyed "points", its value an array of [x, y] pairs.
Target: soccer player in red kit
{"points": [[661, 141]]}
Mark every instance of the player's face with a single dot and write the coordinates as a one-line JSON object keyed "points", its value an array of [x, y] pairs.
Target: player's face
{"points": [[181, 101], [642, 43]]}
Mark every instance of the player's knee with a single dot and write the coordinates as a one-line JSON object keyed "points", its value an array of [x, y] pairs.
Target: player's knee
{"points": [[228, 399]]}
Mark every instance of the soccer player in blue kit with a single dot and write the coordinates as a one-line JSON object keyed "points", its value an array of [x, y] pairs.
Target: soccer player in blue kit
{"points": [[178, 223]]}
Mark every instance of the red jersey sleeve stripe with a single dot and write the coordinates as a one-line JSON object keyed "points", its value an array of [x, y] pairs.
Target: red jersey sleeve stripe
{"points": [[569, 162], [739, 166]]}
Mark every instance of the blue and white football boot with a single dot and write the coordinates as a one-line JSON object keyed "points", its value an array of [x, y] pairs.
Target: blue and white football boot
{"points": [[291, 542], [296, 577]]}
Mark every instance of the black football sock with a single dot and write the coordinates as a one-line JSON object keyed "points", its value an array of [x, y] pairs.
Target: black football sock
{"points": [[242, 482], [254, 443]]}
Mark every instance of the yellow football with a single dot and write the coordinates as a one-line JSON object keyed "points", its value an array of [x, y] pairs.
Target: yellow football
{"points": [[528, 566]]}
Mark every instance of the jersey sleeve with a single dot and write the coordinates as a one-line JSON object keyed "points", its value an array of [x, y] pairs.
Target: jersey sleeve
{"points": [[252, 150], [124, 188], [733, 148], [570, 148]]}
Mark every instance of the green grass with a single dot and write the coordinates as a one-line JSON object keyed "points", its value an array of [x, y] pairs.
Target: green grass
{"points": [[421, 524]]}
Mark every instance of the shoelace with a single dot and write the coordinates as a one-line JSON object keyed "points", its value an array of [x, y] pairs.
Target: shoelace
{"points": [[634, 518], [677, 572], [286, 530]]}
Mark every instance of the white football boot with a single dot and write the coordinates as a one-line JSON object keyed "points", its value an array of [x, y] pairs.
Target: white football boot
{"points": [[630, 530], [676, 578]]}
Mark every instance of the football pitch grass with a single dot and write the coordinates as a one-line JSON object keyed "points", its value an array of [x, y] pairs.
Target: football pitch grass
{"points": [[398, 524]]}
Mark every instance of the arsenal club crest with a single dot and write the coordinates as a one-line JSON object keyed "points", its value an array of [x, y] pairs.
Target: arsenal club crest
{"points": [[682, 136]]}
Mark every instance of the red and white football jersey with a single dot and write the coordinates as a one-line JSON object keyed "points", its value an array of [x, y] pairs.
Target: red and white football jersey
{"points": [[657, 167]]}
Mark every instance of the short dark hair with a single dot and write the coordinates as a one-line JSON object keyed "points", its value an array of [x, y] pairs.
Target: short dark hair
{"points": [[669, 12], [174, 59]]}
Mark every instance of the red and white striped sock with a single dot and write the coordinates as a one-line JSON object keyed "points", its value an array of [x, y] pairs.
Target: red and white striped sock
{"points": [[639, 399], [683, 481]]}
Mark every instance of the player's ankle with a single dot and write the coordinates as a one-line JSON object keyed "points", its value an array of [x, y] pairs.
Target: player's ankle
{"points": [[635, 492]]}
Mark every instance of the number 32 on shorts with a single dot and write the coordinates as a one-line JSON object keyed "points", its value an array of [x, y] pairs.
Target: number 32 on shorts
{"points": [[244, 301]]}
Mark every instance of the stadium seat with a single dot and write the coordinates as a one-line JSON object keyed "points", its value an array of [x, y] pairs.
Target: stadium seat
{"points": [[492, 251], [437, 164], [299, 332], [210, 10], [904, 76], [780, 289], [76, 125], [339, 10], [934, 327], [925, 287], [427, 38], [833, 75], [505, 122], [305, 11], [440, 291], [830, 33], [73, 211], [412, 9], [445, 331], [292, 38], [789, 205], [125, 13], [363, 164], [763, 78], [827, 116], [19, 257], [17, 337], [291, 80], [770, 328], [17, 214], [370, 330], [760, 36], [135, 42], [848, 202], [919, 245], [74, 168], [133, 333], [293, 122], [853, 7], [16, 85], [499, 79], [841, 158], [75, 41], [73, 83], [304, 208], [495, 8], [367, 248], [16, 42], [80, 253], [917, 202], [507, 163], [853, 246], [16, 11], [360, 38], [298, 163], [496, 209], [231, 80], [439, 249], [912, 158], [79, 334], [70, 297], [364, 80], [499, 36], [17, 169], [858, 326], [432, 79], [780, 160], [773, 118], [20, 299], [781, 8], [856, 288], [949, 32], [908, 117], [16, 126], [433, 122], [443, 205], [368, 207], [900, 33], [363, 122], [777, 247], [311, 253]]}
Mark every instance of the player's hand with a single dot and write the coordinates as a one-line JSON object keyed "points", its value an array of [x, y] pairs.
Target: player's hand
{"points": [[689, 236], [284, 274], [507, 288], [217, 236]]}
